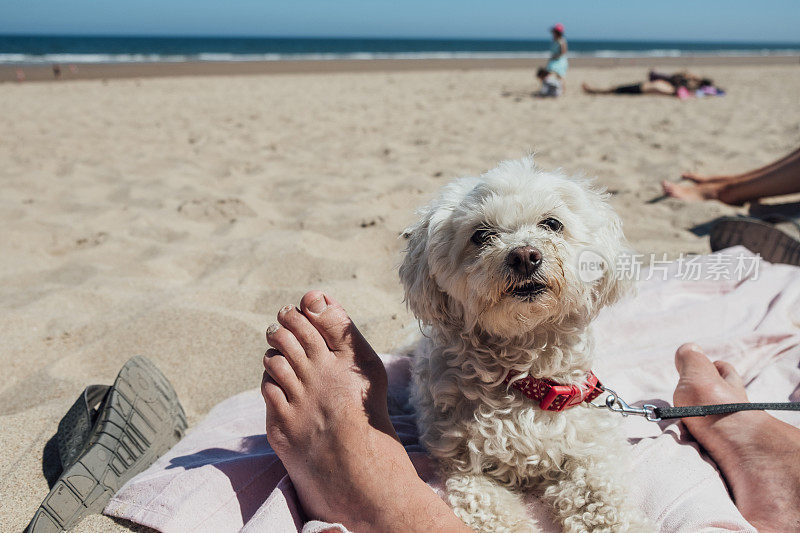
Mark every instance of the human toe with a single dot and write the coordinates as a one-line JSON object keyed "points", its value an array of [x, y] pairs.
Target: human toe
{"points": [[698, 375], [691, 362], [700, 380], [306, 334], [729, 374], [287, 344], [280, 370], [330, 319], [273, 395]]}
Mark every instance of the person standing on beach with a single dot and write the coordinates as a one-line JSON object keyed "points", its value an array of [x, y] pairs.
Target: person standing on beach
{"points": [[558, 53]]}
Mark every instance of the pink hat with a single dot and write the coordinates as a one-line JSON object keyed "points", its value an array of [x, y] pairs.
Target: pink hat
{"points": [[559, 28]]}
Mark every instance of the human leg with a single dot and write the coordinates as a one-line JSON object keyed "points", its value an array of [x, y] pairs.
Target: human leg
{"points": [[327, 419], [759, 455]]}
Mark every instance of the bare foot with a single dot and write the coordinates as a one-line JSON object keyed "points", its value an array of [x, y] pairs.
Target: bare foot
{"points": [[588, 89], [697, 178], [327, 419], [692, 193], [759, 455]]}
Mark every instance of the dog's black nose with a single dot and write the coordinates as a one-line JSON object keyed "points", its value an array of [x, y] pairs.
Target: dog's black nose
{"points": [[524, 260]]}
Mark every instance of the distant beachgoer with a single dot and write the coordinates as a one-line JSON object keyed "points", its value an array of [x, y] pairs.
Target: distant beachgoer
{"points": [[773, 233], [681, 84], [20, 75], [558, 52], [775, 179], [56, 70], [682, 78], [551, 85], [648, 87]]}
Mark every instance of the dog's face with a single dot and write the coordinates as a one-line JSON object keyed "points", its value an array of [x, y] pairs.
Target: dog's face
{"points": [[500, 252]]}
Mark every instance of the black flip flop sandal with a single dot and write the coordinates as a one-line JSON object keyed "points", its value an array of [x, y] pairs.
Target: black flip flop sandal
{"points": [[108, 436], [757, 236]]}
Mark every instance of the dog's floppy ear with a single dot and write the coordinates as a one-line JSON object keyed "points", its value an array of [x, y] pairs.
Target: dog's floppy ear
{"points": [[428, 239], [422, 294]]}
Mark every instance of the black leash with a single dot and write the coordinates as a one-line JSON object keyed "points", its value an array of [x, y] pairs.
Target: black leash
{"points": [[654, 414], [666, 413]]}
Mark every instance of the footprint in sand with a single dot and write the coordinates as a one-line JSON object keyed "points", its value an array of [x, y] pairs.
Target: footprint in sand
{"points": [[92, 240], [219, 210], [67, 243], [369, 222]]}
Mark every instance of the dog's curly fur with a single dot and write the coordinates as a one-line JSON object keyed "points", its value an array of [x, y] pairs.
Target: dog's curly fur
{"points": [[482, 321]]}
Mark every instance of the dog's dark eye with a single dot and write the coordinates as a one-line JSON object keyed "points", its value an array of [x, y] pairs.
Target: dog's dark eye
{"points": [[551, 224], [482, 236]]}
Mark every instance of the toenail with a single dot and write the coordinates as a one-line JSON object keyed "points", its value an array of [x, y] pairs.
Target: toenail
{"points": [[317, 306], [272, 328], [285, 309]]}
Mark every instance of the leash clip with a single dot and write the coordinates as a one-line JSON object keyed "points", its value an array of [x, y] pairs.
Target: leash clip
{"points": [[614, 403]]}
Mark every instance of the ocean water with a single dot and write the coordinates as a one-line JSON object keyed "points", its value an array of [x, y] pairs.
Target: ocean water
{"points": [[29, 49]]}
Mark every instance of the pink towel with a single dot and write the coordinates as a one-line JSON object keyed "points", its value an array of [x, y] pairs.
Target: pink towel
{"points": [[223, 476]]}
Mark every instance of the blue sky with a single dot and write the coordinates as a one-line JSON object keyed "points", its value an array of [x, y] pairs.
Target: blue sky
{"points": [[706, 20]]}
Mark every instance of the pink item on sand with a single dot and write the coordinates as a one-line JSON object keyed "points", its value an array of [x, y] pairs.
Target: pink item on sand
{"points": [[683, 93], [223, 477]]}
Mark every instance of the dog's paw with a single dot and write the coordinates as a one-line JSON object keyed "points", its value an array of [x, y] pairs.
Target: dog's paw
{"points": [[483, 523], [486, 506]]}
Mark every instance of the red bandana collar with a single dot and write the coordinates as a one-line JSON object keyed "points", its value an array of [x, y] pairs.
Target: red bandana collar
{"points": [[553, 396]]}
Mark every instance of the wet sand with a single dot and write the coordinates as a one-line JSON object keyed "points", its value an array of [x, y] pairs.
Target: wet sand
{"points": [[211, 68]]}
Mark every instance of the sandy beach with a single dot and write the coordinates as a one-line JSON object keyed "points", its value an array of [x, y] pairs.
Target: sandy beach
{"points": [[173, 216]]}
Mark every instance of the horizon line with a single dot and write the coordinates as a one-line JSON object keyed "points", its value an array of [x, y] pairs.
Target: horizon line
{"points": [[391, 37]]}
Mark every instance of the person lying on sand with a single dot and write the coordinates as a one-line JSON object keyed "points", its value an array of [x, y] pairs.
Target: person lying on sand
{"points": [[778, 243], [775, 179], [648, 87], [681, 84], [348, 466], [774, 236], [681, 78]]}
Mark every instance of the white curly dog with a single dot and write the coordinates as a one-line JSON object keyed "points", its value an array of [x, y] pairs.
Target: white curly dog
{"points": [[491, 271]]}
